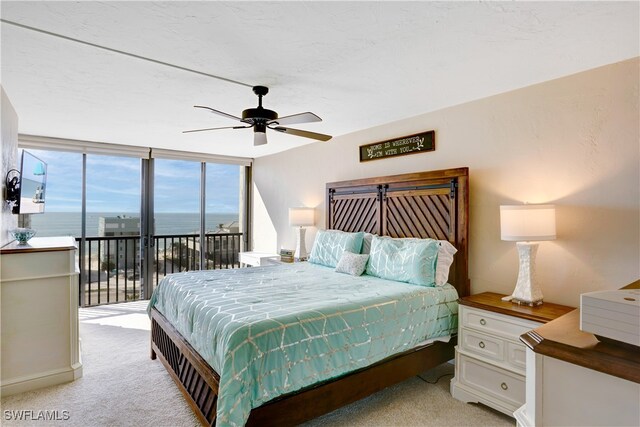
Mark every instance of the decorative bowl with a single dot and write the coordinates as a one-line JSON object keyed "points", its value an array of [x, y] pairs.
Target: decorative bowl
{"points": [[22, 235]]}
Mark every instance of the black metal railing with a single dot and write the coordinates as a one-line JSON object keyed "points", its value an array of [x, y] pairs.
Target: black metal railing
{"points": [[110, 269]]}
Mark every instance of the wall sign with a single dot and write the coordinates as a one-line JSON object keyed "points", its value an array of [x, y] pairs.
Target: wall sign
{"points": [[411, 144]]}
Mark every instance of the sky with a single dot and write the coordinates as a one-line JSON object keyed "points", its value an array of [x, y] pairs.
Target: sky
{"points": [[113, 184]]}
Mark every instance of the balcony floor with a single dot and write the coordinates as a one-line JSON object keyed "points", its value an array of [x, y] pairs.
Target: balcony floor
{"points": [[130, 315]]}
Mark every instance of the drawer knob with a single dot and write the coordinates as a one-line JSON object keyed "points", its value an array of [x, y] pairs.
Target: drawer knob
{"points": [[481, 344], [483, 322], [504, 386]]}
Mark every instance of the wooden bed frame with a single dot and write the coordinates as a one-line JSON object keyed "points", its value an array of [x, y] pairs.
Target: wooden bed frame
{"points": [[428, 204]]}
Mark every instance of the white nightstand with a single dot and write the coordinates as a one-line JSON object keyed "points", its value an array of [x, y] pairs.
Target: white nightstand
{"points": [[258, 259], [490, 358]]}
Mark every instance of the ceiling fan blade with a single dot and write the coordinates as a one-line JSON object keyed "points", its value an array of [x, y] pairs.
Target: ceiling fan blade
{"points": [[226, 127], [293, 119], [230, 116], [303, 133]]}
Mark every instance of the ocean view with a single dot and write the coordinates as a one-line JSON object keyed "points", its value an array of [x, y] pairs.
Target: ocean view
{"points": [[70, 223]]}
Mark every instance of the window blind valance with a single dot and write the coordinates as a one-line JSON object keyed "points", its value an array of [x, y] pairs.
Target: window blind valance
{"points": [[79, 146], [91, 147], [161, 153]]}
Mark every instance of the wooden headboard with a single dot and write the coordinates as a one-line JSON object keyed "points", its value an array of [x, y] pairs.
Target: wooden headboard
{"points": [[431, 204]]}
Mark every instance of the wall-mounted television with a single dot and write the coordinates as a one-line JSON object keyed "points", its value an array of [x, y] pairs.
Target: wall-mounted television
{"points": [[29, 187]]}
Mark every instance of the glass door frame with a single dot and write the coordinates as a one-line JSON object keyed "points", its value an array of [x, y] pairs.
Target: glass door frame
{"points": [[147, 243]]}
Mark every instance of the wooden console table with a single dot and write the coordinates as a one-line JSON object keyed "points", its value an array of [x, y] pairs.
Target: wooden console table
{"points": [[574, 379]]}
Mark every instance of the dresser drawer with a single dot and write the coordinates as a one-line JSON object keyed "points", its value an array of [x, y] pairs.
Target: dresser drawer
{"points": [[481, 344], [494, 323], [488, 380], [516, 356]]}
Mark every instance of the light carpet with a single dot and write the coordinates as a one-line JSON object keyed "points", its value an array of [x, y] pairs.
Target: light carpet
{"points": [[122, 386]]}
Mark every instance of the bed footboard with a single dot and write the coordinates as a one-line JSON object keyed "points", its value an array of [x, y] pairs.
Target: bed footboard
{"points": [[195, 378], [320, 399]]}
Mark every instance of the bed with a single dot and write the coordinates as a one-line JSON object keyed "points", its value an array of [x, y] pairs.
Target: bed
{"points": [[425, 205]]}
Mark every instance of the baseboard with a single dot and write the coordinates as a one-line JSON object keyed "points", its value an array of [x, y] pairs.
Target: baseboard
{"points": [[40, 380]]}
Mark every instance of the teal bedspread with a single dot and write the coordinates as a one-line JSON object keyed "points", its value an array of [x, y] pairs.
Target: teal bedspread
{"points": [[270, 331]]}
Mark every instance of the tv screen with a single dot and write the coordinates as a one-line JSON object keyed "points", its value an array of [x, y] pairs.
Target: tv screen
{"points": [[33, 184]]}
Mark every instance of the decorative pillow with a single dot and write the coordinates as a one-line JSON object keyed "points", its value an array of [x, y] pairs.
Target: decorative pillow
{"points": [[330, 244], [353, 264], [366, 243], [404, 260], [446, 251]]}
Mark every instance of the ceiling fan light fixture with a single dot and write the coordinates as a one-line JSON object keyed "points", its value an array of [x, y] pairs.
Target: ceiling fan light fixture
{"points": [[259, 138], [259, 134]]}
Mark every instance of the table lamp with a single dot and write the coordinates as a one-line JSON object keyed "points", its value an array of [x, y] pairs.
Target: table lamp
{"points": [[301, 217], [527, 224]]}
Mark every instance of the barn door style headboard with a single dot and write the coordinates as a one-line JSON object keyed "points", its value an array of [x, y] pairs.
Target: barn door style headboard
{"points": [[431, 204]]}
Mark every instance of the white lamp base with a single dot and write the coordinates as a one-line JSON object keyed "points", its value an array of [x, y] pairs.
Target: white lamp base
{"points": [[527, 291], [301, 249]]}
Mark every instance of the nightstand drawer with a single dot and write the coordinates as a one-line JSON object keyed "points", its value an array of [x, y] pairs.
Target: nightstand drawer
{"points": [[493, 323], [481, 344], [489, 380]]}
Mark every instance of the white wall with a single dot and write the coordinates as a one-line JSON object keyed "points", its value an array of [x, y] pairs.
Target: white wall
{"points": [[573, 142], [9, 148]]}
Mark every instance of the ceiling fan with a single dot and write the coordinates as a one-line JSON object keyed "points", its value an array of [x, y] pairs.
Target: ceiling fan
{"points": [[260, 119]]}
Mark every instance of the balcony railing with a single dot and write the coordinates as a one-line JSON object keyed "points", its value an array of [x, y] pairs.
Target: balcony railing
{"points": [[110, 266]]}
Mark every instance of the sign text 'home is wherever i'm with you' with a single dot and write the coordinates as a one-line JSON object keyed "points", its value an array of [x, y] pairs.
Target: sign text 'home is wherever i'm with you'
{"points": [[411, 144]]}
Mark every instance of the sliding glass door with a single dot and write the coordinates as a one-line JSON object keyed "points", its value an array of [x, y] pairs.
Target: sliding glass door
{"points": [[196, 209], [176, 227], [112, 222], [223, 204]]}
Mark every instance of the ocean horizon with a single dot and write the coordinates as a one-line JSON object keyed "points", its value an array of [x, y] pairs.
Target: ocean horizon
{"points": [[70, 223]]}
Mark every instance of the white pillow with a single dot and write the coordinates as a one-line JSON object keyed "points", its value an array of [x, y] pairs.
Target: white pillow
{"points": [[353, 264], [366, 243], [445, 259]]}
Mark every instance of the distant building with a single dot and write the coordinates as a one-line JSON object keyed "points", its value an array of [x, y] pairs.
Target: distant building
{"points": [[120, 253], [232, 227], [224, 249]]}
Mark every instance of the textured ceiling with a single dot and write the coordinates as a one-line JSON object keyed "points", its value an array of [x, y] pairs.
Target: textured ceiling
{"points": [[355, 64]]}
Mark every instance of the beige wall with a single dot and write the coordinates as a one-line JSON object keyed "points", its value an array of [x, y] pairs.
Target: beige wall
{"points": [[9, 148], [573, 142]]}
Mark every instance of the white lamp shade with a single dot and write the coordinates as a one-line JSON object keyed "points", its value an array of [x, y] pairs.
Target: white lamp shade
{"points": [[523, 223], [301, 216]]}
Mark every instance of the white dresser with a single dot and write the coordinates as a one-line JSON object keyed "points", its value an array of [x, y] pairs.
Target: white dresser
{"points": [[39, 302], [490, 358], [574, 379]]}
